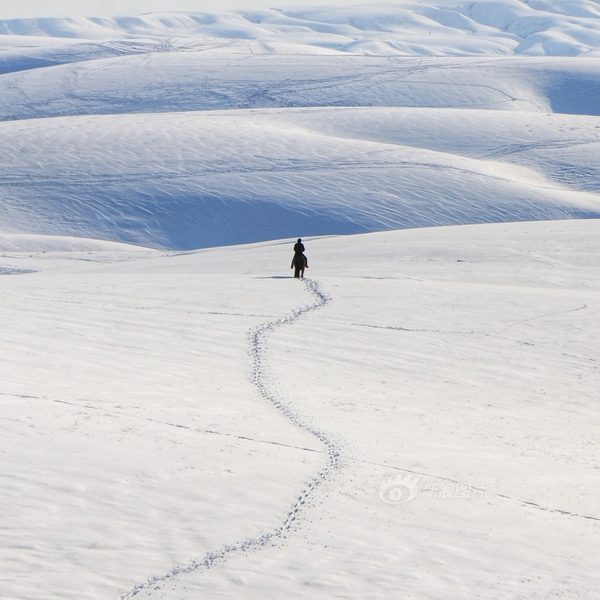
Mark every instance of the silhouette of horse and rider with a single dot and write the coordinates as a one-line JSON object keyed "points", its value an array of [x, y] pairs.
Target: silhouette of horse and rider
{"points": [[299, 262]]}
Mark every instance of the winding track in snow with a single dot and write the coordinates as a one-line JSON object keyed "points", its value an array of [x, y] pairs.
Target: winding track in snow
{"points": [[260, 377]]}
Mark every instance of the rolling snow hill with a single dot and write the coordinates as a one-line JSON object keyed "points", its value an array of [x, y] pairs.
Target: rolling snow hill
{"points": [[198, 179], [179, 131], [425, 27]]}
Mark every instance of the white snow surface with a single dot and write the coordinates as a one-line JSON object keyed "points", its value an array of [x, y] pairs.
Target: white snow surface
{"points": [[416, 419], [446, 27], [181, 131], [199, 425]]}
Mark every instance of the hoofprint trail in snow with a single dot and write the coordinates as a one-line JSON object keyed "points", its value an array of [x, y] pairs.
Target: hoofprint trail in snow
{"points": [[151, 400], [462, 358], [258, 346]]}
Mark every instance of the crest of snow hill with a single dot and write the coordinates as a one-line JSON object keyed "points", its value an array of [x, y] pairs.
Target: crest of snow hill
{"points": [[194, 130]]}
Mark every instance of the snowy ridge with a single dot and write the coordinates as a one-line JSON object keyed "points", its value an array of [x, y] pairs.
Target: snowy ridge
{"points": [[199, 179], [410, 28], [183, 131], [263, 381]]}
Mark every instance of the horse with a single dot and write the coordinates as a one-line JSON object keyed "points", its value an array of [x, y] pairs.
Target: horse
{"points": [[299, 263]]}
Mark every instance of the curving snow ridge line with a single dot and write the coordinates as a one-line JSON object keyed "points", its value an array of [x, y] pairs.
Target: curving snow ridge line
{"points": [[258, 346]]}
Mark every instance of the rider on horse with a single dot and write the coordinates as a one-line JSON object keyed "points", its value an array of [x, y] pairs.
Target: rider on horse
{"points": [[299, 262]]}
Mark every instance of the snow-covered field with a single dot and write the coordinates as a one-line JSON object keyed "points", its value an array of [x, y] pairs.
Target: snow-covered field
{"points": [[140, 432], [417, 419]]}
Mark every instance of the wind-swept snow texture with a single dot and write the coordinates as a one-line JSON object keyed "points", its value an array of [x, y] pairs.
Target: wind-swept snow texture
{"points": [[182, 423], [185, 426], [184, 131]]}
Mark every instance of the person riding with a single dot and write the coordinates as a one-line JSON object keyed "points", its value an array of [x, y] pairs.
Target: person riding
{"points": [[299, 262]]}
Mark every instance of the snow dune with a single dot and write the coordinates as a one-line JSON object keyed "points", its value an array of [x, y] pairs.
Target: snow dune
{"points": [[180, 131], [242, 75], [199, 179], [428, 27], [190, 177]]}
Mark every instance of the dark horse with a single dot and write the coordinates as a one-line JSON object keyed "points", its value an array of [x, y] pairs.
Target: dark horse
{"points": [[299, 263]]}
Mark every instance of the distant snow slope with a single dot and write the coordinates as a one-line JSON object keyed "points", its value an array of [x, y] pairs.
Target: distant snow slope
{"points": [[242, 75], [196, 179], [426, 27], [185, 131]]}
